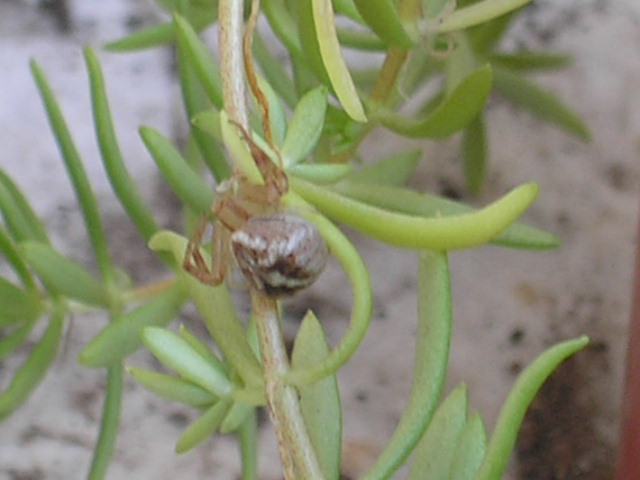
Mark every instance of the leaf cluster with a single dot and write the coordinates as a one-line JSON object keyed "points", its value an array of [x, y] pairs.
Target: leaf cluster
{"points": [[320, 110]]}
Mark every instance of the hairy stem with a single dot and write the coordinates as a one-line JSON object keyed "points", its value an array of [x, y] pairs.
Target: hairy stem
{"points": [[232, 67], [296, 452]]}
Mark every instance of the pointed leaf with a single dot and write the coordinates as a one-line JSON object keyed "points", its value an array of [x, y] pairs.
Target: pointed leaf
{"points": [[455, 111], [172, 388], [541, 103], [122, 336], [17, 305], [515, 406], [64, 276], [19, 216], [334, 63], [478, 13], [382, 16], [203, 427], [436, 451], [392, 171], [526, 61], [321, 173], [305, 126], [177, 354], [471, 450], [320, 402]]}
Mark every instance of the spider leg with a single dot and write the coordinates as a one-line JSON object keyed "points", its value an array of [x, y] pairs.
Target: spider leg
{"points": [[194, 263]]}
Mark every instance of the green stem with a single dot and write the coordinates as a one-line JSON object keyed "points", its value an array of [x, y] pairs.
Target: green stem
{"points": [[298, 457], [109, 424], [248, 436]]}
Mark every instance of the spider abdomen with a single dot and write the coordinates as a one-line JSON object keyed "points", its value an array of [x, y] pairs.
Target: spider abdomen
{"points": [[279, 254]]}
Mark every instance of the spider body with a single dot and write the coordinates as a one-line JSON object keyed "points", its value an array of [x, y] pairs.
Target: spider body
{"points": [[278, 253]]}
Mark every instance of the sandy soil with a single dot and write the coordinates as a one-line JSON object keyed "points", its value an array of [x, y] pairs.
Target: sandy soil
{"points": [[508, 305]]}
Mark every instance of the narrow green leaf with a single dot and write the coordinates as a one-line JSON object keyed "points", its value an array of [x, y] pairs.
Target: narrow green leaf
{"points": [[515, 406], [478, 13], [18, 336], [122, 183], [186, 183], [284, 26], [408, 231], [382, 16], [305, 126], [203, 427], [453, 113], [200, 59], [195, 101], [320, 402], [321, 173], [218, 311], [410, 202], [177, 354], [358, 40], [17, 305], [161, 34], [474, 153], [122, 336], [541, 103], [31, 372], [348, 9], [274, 71], [172, 388], [433, 339], [436, 451], [333, 61], [199, 346], [18, 213], [471, 450], [394, 170], [236, 417], [109, 424], [78, 176], [526, 61], [64, 276], [10, 251]]}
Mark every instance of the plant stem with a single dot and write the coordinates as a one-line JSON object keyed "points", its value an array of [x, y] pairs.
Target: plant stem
{"points": [[298, 457], [230, 21]]}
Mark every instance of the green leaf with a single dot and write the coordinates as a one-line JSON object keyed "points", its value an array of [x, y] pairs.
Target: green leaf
{"points": [[410, 202], [122, 183], [274, 71], [382, 16], [177, 354], [78, 176], [284, 26], [474, 152], [122, 336], [433, 339], [19, 216], [471, 450], [525, 61], [238, 414], [161, 34], [64, 276], [31, 372], [541, 103], [348, 9], [17, 305], [515, 406], [184, 181], [200, 59], [478, 13], [172, 388], [203, 427], [305, 126], [394, 170], [218, 311], [408, 231], [436, 451], [320, 402], [321, 173], [10, 251], [18, 336], [453, 113], [334, 64], [358, 40], [199, 346]]}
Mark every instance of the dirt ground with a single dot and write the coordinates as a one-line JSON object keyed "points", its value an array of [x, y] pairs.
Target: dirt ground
{"points": [[508, 305]]}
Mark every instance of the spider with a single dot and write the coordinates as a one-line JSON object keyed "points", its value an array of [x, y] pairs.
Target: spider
{"points": [[278, 253]]}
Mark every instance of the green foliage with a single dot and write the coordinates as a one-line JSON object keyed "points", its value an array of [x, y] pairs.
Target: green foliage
{"points": [[320, 110]]}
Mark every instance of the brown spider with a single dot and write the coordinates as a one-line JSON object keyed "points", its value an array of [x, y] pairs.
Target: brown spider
{"points": [[278, 253]]}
